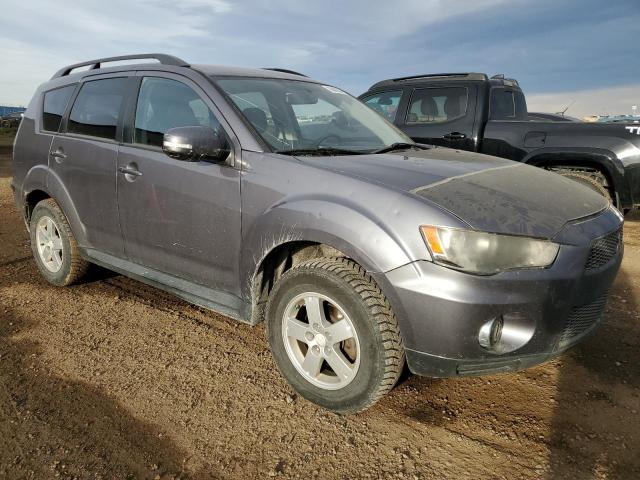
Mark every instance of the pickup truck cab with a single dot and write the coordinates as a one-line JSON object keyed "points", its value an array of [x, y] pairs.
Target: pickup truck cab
{"points": [[470, 111]]}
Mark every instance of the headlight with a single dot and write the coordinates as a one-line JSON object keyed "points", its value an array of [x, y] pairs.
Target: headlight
{"points": [[486, 253]]}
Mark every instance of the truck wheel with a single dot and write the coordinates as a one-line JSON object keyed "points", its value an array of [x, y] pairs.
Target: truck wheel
{"points": [[333, 334], [588, 180], [54, 246]]}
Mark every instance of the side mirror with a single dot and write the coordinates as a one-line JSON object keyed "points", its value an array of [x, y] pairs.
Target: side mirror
{"points": [[191, 144]]}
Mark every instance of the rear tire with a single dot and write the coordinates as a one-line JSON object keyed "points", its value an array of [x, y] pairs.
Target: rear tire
{"points": [[352, 321], [54, 247], [595, 181]]}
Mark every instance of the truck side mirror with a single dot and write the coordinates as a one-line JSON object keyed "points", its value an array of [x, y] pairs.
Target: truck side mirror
{"points": [[192, 144]]}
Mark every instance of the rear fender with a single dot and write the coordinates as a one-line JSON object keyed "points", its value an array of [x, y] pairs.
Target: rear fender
{"points": [[41, 178]]}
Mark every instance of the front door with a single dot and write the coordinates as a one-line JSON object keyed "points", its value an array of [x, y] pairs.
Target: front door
{"points": [[84, 158], [180, 218], [441, 116]]}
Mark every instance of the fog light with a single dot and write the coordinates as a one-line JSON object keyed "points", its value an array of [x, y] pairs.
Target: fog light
{"points": [[506, 333], [491, 333]]}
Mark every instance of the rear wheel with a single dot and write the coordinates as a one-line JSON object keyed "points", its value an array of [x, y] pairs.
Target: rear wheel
{"points": [[54, 246], [593, 180], [333, 334]]}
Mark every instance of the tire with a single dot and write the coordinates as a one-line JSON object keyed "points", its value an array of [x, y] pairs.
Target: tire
{"points": [[55, 251], [342, 292], [589, 181]]}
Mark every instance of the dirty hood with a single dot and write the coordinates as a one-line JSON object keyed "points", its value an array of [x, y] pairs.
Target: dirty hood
{"points": [[488, 193]]}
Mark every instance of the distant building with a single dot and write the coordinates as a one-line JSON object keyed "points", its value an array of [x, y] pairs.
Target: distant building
{"points": [[7, 110]]}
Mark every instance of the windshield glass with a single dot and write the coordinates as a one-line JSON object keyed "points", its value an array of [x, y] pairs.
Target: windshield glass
{"points": [[296, 115]]}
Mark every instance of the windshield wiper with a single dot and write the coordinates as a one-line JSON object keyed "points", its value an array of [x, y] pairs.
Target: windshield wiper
{"points": [[319, 151], [402, 146]]}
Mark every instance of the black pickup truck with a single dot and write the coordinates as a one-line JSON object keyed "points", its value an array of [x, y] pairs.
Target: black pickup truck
{"points": [[471, 111]]}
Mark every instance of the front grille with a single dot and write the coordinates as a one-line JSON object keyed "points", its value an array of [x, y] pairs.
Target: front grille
{"points": [[603, 250], [583, 318]]}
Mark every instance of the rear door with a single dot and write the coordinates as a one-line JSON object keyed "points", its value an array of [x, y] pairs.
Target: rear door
{"points": [[441, 115], [180, 218], [84, 157]]}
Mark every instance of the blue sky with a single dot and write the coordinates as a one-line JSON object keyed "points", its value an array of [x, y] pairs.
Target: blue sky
{"points": [[561, 51]]}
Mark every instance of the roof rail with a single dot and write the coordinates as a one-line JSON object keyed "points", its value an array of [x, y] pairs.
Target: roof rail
{"points": [[95, 64], [284, 70], [430, 75], [459, 76]]}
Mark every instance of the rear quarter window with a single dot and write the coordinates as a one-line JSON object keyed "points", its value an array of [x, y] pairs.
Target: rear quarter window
{"points": [[55, 103], [507, 105], [96, 109]]}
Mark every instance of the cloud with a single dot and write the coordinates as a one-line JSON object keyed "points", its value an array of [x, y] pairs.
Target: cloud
{"points": [[547, 45], [599, 101]]}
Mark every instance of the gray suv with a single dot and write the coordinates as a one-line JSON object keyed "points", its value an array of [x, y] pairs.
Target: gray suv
{"points": [[265, 195]]}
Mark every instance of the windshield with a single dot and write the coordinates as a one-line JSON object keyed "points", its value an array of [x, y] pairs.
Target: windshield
{"points": [[295, 115]]}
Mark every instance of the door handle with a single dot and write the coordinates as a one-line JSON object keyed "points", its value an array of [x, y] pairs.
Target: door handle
{"points": [[130, 171], [454, 136], [58, 155]]}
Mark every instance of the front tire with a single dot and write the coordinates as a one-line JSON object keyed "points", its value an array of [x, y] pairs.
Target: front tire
{"points": [[53, 245], [594, 181], [333, 334]]}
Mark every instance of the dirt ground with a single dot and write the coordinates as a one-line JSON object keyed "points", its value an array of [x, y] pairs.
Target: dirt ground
{"points": [[113, 379]]}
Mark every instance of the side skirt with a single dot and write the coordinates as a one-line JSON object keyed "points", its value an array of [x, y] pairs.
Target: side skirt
{"points": [[211, 299]]}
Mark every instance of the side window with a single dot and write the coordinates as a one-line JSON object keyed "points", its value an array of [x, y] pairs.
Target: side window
{"points": [[385, 103], [164, 104], [97, 107], [507, 105], [437, 105], [55, 103]]}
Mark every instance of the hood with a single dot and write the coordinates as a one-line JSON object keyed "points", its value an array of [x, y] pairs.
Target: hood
{"points": [[489, 193], [408, 170]]}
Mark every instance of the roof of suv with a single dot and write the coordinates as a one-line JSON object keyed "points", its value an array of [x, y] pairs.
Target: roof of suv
{"points": [[495, 81], [169, 62]]}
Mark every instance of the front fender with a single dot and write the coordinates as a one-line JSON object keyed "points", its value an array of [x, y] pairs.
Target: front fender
{"points": [[604, 159], [344, 225]]}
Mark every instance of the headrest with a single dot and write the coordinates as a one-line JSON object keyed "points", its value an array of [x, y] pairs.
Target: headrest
{"points": [[428, 107], [453, 106]]}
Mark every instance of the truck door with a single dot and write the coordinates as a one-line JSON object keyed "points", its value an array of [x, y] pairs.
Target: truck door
{"points": [[180, 218], [442, 115], [84, 156]]}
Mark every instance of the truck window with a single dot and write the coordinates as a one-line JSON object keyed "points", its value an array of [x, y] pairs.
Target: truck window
{"points": [[97, 107], [507, 105], [55, 103], [437, 105], [163, 104], [385, 103]]}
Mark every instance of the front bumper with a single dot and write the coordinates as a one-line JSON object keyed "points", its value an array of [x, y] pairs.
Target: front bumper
{"points": [[441, 311]]}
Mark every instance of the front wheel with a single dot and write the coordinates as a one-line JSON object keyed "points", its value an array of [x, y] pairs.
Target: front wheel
{"points": [[333, 334], [593, 181]]}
